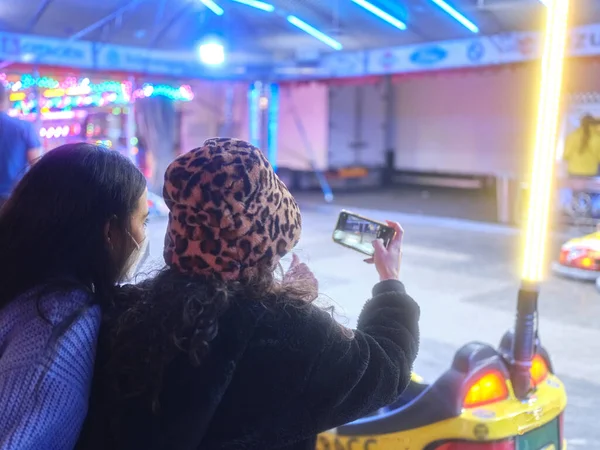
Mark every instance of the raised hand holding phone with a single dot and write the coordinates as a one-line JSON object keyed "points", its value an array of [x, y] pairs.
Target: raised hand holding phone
{"points": [[388, 259]]}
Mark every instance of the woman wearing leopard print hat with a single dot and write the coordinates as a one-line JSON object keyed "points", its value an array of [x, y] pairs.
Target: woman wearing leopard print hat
{"points": [[216, 351]]}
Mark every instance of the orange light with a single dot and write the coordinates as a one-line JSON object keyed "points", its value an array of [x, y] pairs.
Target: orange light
{"points": [[539, 370], [586, 262], [487, 389]]}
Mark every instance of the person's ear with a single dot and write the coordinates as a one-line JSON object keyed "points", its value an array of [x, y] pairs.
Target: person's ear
{"points": [[112, 234]]}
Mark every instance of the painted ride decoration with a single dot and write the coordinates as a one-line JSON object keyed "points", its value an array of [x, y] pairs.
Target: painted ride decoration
{"points": [[491, 398]]}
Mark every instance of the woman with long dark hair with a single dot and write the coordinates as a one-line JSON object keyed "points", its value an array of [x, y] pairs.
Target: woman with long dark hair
{"points": [[217, 351], [582, 148], [70, 230]]}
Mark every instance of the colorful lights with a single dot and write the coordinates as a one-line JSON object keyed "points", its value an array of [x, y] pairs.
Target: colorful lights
{"points": [[210, 4], [60, 131], [541, 183], [381, 14], [314, 32], [257, 4], [72, 93], [457, 16]]}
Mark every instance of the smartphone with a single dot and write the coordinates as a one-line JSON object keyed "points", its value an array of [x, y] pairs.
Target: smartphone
{"points": [[358, 233]]}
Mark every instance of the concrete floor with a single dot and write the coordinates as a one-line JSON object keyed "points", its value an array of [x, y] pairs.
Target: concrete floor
{"points": [[465, 277]]}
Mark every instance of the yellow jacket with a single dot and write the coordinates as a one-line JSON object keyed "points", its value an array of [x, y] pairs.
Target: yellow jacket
{"points": [[582, 163]]}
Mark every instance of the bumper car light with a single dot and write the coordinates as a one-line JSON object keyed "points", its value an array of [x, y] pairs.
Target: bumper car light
{"points": [[463, 445], [490, 388], [586, 262], [539, 370]]}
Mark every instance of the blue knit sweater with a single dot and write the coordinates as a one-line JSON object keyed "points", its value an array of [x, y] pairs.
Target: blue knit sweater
{"points": [[44, 386]]}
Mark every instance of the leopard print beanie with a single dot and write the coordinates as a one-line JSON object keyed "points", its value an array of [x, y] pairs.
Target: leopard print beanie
{"points": [[229, 212]]}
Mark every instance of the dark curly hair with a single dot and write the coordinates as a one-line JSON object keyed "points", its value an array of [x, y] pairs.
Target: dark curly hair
{"points": [[151, 323]]}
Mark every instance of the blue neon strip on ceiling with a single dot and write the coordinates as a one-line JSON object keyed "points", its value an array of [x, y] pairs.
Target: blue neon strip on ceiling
{"points": [[314, 32], [210, 4], [457, 16], [257, 4], [381, 14]]}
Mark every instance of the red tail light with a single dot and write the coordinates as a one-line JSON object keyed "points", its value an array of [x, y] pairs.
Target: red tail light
{"points": [[464, 445], [490, 388]]}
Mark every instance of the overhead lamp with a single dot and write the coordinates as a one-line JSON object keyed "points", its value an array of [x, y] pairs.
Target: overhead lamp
{"points": [[257, 4], [457, 16], [381, 14], [211, 53], [210, 4], [309, 29]]}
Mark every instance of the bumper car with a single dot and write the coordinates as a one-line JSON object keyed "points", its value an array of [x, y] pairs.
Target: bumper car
{"points": [[473, 406], [580, 258]]}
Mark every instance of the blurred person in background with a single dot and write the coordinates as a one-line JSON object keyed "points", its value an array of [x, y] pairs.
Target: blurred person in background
{"points": [[218, 352], [582, 149], [19, 147], [70, 230]]}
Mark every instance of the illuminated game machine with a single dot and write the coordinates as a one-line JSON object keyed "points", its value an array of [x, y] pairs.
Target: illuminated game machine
{"points": [[78, 109], [491, 398]]}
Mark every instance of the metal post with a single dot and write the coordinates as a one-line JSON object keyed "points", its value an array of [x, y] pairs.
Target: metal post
{"points": [[130, 124], [389, 131], [503, 198], [254, 122], [525, 339], [38, 100], [273, 123], [227, 127]]}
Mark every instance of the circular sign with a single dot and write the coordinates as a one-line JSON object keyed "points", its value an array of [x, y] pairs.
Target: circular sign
{"points": [[475, 51]]}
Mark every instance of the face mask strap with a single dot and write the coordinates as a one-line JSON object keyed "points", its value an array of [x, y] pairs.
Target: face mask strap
{"points": [[138, 246]]}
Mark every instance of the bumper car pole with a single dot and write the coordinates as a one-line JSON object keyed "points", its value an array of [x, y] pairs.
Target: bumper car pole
{"points": [[524, 340]]}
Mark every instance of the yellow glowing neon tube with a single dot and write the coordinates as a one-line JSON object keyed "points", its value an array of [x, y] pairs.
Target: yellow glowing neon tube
{"points": [[540, 188]]}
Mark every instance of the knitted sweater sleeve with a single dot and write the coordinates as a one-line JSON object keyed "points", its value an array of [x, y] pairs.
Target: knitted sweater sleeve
{"points": [[44, 385]]}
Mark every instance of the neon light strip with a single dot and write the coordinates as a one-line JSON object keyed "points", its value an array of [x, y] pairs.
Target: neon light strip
{"points": [[257, 4], [273, 124], [381, 14], [254, 114], [457, 16], [314, 32], [540, 190], [210, 4]]}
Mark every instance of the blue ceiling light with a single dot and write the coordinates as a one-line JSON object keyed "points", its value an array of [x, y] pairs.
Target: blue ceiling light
{"points": [[257, 4], [211, 53], [314, 32], [457, 16], [210, 4], [381, 14]]}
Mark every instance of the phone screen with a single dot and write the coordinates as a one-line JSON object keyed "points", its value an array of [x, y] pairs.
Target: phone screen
{"points": [[358, 232]]}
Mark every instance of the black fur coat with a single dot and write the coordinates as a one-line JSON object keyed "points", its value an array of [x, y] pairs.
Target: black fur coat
{"points": [[273, 380]]}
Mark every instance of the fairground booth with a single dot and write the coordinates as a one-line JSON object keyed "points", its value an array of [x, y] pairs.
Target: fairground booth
{"points": [[429, 95]]}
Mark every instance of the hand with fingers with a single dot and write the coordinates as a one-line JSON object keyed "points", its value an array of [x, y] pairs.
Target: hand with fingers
{"points": [[388, 259], [299, 271]]}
